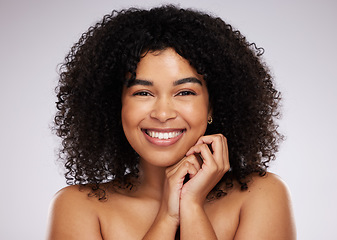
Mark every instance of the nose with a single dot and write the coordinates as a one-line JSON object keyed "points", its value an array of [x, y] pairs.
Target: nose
{"points": [[163, 110]]}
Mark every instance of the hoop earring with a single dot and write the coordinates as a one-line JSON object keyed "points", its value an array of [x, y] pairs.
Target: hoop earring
{"points": [[209, 120]]}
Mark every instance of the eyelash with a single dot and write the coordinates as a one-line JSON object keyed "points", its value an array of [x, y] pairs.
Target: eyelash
{"points": [[186, 93], [142, 93], [182, 93]]}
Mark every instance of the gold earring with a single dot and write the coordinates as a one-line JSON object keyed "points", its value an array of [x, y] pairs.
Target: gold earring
{"points": [[209, 120]]}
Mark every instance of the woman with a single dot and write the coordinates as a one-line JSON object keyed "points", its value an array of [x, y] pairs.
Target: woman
{"points": [[147, 101]]}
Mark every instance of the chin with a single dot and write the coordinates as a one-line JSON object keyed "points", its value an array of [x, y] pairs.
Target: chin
{"points": [[160, 160]]}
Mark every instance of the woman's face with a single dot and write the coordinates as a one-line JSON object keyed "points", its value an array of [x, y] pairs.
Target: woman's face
{"points": [[165, 110]]}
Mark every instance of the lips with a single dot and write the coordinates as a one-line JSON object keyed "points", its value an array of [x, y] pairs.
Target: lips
{"points": [[163, 137]]}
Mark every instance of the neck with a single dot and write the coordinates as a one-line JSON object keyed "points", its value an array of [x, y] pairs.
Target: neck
{"points": [[152, 179]]}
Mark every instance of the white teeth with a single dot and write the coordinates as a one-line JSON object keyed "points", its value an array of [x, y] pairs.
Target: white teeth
{"points": [[163, 135]]}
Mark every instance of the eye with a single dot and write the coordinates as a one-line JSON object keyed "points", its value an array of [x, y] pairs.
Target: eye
{"points": [[186, 93], [142, 93]]}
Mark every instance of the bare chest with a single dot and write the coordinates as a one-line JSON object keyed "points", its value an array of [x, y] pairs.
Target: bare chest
{"points": [[132, 218]]}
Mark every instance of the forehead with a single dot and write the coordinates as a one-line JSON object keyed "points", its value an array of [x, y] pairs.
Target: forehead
{"points": [[165, 64]]}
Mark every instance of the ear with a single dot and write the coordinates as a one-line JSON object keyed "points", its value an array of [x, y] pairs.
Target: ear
{"points": [[209, 116]]}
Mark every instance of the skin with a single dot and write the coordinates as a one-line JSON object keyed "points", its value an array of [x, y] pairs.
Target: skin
{"points": [[169, 96]]}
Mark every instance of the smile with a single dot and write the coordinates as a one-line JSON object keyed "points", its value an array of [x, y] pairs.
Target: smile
{"points": [[163, 138], [163, 135]]}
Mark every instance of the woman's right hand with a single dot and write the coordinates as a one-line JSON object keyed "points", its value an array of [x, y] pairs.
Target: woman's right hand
{"points": [[174, 181], [213, 164], [168, 218]]}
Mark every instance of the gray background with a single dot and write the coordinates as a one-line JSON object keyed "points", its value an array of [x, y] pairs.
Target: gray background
{"points": [[300, 41]]}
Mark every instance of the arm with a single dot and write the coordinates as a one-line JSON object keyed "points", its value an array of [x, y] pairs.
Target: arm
{"points": [[162, 228], [195, 223], [182, 204], [166, 223], [193, 219], [72, 216], [266, 212]]}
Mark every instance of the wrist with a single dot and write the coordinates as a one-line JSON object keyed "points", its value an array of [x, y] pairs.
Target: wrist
{"points": [[163, 227], [192, 201], [189, 206], [166, 219]]}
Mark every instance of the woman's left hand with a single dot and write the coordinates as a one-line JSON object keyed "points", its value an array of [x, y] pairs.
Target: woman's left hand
{"points": [[215, 164]]}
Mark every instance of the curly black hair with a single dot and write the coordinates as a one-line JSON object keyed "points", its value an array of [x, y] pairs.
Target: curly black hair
{"points": [[244, 100]]}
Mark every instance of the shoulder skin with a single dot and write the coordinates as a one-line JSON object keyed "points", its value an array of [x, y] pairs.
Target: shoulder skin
{"points": [[73, 216], [266, 212]]}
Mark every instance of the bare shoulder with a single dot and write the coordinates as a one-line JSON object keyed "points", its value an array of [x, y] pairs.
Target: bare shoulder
{"points": [[71, 198], [270, 182], [70, 193], [266, 212], [72, 215]]}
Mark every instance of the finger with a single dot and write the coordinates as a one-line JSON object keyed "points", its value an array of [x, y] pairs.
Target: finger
{"points": [[185, 168], [225, 154], [220, 149], [192, 159], [195, 161], [216, 142], [172, 169], [204, 152]]}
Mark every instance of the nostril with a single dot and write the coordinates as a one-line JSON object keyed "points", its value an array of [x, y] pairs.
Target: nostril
{"points": [[163, 111]]}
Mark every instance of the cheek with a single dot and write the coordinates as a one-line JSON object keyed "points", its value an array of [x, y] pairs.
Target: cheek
{"points": [[132, 115], [128, 116], [129, 123], [196, 113], [125, 114]]}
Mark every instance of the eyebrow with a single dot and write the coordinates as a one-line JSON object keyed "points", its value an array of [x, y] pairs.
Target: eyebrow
{"points": [[187, 80], [133, 82]]}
